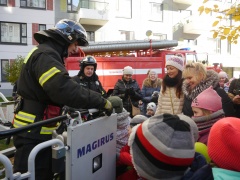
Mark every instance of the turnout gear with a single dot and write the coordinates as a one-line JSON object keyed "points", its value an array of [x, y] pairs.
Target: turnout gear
{"points": [[108, 108], [45, 83]]}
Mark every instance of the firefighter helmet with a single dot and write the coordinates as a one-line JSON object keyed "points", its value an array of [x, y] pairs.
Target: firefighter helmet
{"points": [[69, 30], [88, 61]]}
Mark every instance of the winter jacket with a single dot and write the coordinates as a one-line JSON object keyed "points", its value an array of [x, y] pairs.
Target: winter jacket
{"points": [[125, 168], [147, 90], [234, 90], [169, 102], [121, 88], [92, 83], [123, 123], [211, 80], [45, 81]]}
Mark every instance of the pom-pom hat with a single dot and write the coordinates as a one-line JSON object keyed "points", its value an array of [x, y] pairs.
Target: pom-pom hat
{"points": [[176, 62], [162, 147], [209, 100], [223, 144]]}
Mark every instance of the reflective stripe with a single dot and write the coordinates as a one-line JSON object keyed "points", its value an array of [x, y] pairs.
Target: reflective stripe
{"points": [[25, 116], [18, 123], [29, 54], [47, 75], [47, 130]]}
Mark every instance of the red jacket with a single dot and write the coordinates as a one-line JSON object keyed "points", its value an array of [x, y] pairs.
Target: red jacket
{"points": [[125, 159]]}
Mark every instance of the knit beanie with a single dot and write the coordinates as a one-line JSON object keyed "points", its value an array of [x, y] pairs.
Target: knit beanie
{"points": [[192, 124], [128, 70], [152, 106], [138, 119], [162, 147], [117, 103], [223, 145], [175, 61], [209, 100], [222, 74]]}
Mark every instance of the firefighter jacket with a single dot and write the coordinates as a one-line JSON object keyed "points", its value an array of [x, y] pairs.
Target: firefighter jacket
{"points": [[92, 83], [44, 81]]}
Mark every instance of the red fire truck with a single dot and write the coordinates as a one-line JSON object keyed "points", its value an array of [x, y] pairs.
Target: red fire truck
{"points": [[112, 57]]}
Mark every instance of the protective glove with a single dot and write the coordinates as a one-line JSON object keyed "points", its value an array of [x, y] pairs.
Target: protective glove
{"points": [[108, 108]]}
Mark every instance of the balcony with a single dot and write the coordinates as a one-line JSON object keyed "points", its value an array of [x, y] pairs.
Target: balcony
{"points": [[198, 24], [188, 2], [93, 13]]}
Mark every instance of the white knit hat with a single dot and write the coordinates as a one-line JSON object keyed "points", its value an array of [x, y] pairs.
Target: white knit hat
{"points": [[152, 106], [176, 62], [222, 74], [128, 70]]}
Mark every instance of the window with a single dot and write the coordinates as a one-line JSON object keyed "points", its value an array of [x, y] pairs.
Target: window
{"points": [[14, 33], [3, 2], [39, 4], [124, 8], [127, 35], [72, 5], [156, 12], [4, 63], [159, 36], [215, 45], [91, 4], [90, 36], [42, 27]]}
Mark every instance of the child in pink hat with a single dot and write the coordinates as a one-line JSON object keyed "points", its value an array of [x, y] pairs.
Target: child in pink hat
{"points": [[207, 109]]}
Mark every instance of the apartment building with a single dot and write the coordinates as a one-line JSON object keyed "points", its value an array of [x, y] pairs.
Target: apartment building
{"points": [[110, 20]]}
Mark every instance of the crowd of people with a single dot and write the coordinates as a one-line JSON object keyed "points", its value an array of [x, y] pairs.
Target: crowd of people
{"points": [[185, 129]]}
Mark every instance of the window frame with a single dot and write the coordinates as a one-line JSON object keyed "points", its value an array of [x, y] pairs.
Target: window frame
{"points": [[29, 7], [70, 4], [42, 25], [119, 14], [152, 16], [21, 25], [3, 75], [3, 4], [91, 34], [127, 34]]}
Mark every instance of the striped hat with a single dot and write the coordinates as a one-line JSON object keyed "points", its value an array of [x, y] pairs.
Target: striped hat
{"points": [[162, 147]]}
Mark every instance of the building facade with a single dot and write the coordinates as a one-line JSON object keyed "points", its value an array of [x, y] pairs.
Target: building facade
{"points": [[111, 20]]}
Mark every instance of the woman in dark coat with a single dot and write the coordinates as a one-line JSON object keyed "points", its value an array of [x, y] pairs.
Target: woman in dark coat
{"points": [[197, 79], [128, 90]]}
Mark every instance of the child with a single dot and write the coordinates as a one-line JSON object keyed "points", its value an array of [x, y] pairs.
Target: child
{"points": [[207, 109], [162, 147], [123, 121], [224, 150], [125, 169], [151, 109]]}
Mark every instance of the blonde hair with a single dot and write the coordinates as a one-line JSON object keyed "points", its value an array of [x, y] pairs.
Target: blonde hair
{"points": [[197, 68]]}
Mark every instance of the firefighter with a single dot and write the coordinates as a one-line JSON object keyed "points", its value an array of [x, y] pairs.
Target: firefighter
{"points": [[44, 82], [87, 76]]}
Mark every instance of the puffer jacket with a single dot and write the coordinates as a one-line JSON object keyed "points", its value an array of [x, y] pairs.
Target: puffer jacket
{"points": [[169, 102], [211, 80], [120, 91]]}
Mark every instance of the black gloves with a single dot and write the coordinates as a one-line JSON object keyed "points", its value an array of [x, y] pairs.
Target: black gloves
{"points": [[154, 99], [131, 91]]}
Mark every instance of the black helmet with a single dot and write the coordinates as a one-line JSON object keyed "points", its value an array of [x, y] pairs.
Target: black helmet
{"points": [[70, 30], [88, 61]]}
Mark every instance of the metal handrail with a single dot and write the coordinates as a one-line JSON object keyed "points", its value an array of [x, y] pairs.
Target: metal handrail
{"points": [[14, 131]]}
